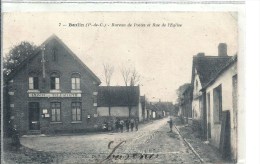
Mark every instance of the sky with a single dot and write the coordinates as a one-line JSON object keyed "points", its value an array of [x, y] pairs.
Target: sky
{"points": [[162, 55]]}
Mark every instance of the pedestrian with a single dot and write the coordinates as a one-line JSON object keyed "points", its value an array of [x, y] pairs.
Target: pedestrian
{"points": [[132, 122], [170, 124], [121, 126], [127, 122], [136, 124], [117, 125]]}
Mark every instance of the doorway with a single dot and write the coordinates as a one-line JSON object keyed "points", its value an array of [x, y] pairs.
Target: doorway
{"points": [[34, 116]]}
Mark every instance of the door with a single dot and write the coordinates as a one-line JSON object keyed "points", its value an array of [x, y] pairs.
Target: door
{"points": [[34, 116]]}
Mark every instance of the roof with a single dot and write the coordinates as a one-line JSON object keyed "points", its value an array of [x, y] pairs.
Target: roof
{"points": [[52, 37], [118, 96], [207, 67], [230, 62]]}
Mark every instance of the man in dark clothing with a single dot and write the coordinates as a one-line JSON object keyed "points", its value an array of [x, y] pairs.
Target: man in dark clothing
{"points": [[127, 122], [136, 124], [171, 124], [132, 123], [117, 125]]}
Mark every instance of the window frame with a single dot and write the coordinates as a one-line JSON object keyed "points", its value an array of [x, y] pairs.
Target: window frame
{"points": [[55, 108], [78, 115], [55, 81], [75, 81], [33, 83]]}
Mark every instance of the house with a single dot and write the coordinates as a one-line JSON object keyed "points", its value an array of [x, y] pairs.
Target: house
{"points": [[204, 68], [52, 91], [119, 101], [222, 111]]}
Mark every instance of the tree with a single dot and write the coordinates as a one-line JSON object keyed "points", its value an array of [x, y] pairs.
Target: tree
{"points": [[180, 91], [109, 70], [131, 78], [17, 55]]}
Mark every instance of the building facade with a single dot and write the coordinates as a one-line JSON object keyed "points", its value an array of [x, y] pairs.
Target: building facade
{"points": [[222, 97], [52, 91], [204, 68]]}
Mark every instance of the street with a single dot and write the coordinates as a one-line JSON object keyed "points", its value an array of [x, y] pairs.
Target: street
{"points": [[153, 143]]}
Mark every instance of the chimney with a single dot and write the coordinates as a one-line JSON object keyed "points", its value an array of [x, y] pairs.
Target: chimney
{"points": [[201, 54], [222, 49]]}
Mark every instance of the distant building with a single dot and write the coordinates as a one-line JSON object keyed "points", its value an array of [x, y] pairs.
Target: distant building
{"points": [[119, 101], [52, 91]]}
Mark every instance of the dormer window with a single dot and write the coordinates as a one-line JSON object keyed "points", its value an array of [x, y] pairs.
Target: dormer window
{"points": [[75, 81], [55, 81], [33, 83]]}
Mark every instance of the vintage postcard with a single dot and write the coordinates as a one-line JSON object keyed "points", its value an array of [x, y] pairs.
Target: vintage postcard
{"points": [[121, 86]]}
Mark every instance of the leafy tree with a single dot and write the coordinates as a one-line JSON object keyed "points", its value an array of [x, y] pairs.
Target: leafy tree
{"points": [[180, 91], [17, 55]]}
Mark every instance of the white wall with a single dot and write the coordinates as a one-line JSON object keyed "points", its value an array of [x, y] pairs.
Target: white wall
{"points": [[196, 112], [102, 111], [225, 79]]}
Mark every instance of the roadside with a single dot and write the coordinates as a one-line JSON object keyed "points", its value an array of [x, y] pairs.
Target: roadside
{"points": [[208, 153], [24, 155]]}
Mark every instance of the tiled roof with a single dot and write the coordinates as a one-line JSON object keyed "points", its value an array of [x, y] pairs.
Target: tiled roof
{"points": [[231, 60], [118, 96], [208, 66]]}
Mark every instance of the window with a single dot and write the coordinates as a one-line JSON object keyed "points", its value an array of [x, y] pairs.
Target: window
{"points": [[55, 112], [76, 111], [33, 83], [55, 81], [54, 55], [75, 82], [217, 104]]}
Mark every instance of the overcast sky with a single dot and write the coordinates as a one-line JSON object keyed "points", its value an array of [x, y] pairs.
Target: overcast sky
{"points": [[161, 55]]}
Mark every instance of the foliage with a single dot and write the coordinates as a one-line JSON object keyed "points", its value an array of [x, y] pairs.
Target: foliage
{"points": [[17, 55], [180, 92]]}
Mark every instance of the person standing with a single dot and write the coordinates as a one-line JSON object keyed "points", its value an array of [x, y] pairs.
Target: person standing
{"points": [[170, 124], [121, 126], [132, 123], [136, 124], [127, 122]]}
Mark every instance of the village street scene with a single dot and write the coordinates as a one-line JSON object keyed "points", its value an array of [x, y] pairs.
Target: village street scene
{"points": [[74, 95]]}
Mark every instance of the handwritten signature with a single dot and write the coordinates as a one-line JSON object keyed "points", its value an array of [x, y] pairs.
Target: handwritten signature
{"points": [[112, 156]]}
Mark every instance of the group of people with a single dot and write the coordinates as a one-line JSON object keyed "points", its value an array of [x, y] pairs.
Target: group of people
{"points": [[128, 124]]}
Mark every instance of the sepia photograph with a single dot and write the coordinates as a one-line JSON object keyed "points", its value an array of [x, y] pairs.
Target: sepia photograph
{"points": [[121, 87]]}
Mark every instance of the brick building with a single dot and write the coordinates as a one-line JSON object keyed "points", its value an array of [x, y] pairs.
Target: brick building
{"points": [[52, 91]]}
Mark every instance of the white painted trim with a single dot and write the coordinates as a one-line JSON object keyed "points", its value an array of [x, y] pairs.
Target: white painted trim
{"points": [[11, 93], [55, 91], [33, 91], [76, 91]]}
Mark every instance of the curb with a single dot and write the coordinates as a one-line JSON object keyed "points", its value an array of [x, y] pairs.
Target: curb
{"points": [[190, 146]]}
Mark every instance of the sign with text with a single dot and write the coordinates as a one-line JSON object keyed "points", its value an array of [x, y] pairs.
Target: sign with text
{"points": [[54, 95]]}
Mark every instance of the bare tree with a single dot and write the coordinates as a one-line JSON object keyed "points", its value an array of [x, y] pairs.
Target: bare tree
{"points": [[135, 77], [125, 71], [109, 70], [130, 76]]}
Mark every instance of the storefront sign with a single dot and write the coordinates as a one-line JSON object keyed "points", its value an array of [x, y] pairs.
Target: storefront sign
{"points": [[54, 95]]}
